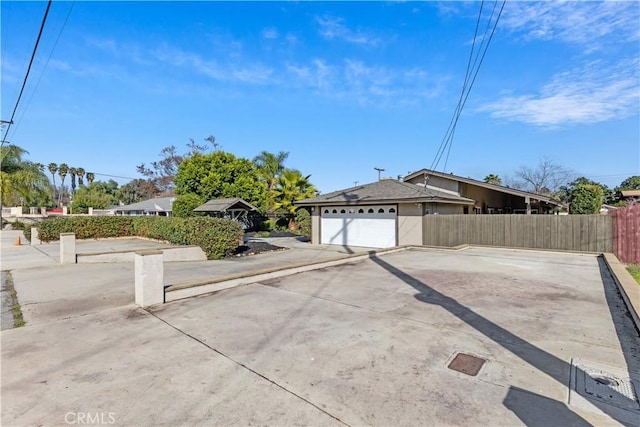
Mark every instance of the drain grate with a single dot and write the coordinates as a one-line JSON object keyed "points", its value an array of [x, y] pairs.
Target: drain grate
{"points": [[608, 388], [467, 364]]}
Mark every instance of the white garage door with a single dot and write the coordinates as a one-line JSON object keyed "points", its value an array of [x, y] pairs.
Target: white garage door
{"points": [[369, 226]]}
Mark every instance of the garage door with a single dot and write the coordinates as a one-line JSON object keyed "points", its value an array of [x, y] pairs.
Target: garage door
{"points": [[369, 226]]}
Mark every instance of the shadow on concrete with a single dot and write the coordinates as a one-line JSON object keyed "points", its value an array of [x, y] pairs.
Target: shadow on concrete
{"points": [[628, 334], [534, 409], [545, 362]]}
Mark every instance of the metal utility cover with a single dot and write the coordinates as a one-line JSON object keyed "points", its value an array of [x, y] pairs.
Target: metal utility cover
{"points": [[467, 364], [609, 388]]}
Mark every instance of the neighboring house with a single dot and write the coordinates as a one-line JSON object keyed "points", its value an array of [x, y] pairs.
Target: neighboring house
{"points": [[488, 198], [390, 212], [605, 209], [160, 206], [631, 196], [233, 207]]}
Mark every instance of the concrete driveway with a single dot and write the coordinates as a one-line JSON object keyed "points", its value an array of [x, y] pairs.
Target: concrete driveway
{"points": [[365, 343]]}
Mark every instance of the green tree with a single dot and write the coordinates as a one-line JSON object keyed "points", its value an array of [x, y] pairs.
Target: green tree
{"points": [[631, 183], [91, 196], [493, 179], [585, 198], [73, 171], [80, 172], [136, 190], [63, 169], [90, 177], [23, 182], [270, 166], [184, 205], [53, 169], [220, 175], [292, 187]]}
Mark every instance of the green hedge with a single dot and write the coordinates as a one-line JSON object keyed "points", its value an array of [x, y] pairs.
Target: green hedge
{"points": [[217, 237]]}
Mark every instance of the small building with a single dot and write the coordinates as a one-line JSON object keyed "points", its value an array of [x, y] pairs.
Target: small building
{"points": [[160, 206], [632, 197], [231, 207]]}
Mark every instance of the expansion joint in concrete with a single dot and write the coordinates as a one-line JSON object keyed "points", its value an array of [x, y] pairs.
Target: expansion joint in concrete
{"points": [[253, 371]]}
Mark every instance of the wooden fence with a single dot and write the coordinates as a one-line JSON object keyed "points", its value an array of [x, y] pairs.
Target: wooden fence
{"points": [[584, 233], [626, 239]]}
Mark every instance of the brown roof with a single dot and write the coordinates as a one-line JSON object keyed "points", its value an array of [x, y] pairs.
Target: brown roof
{"points": [[630, 193], [385, 190], [483, 184]]}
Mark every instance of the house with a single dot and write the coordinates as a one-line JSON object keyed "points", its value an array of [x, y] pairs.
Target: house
{"points": [[632, 197], [160, 206], [488, 198], [390, 212]]}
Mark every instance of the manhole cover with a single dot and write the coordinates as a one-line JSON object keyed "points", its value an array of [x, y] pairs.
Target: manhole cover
{"points": [[467, 364], [609, 388]]}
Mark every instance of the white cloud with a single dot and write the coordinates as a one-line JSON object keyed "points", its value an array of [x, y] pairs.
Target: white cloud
{"points": [[333, 28], [270, 33], [245, 73], [584, 23], [589, 94], [354, 80]]}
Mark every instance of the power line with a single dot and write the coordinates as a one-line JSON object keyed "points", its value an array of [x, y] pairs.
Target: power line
{"points": [[447, 141], [24, 83], [55, 44]]}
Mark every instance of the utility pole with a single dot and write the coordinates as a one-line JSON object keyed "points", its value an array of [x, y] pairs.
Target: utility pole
{"points": [[379, 171], [355, 183]]}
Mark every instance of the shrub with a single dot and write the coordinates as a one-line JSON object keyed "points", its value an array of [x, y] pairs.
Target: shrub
{"points": [[303, 220], [217, 237], [184, 205]]}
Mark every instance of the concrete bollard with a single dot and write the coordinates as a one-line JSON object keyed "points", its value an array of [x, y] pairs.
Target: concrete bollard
{"points": [[67, 248], [149, 278], [90, 211], [35, 240]]}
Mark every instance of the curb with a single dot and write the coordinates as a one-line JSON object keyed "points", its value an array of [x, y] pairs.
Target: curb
{"points": [[201, 287], [629, 289]]}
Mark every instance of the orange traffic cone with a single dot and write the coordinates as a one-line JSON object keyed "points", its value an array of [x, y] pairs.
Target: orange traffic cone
{"points": [[18, 243]]}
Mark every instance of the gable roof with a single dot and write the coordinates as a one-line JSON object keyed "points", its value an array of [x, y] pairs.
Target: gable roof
{"points": [[385, 190], [160, 204], [221, 205], [483, 184]]}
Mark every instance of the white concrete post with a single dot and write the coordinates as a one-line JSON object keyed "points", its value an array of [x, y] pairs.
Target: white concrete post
{"points": [[91, 211], [67, 248], [35, 239], [149, 278]]}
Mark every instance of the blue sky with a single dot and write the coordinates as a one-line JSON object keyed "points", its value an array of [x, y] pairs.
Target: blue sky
{"points": [[343, 86]]}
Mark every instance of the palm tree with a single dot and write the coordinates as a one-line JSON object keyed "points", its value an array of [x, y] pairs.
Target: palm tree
{"points": [[62, 171], [73, 171], [90, 177], [270, 166], [292, 187], [53, 168], [22, 181], [493, 179], [80, 173]]}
